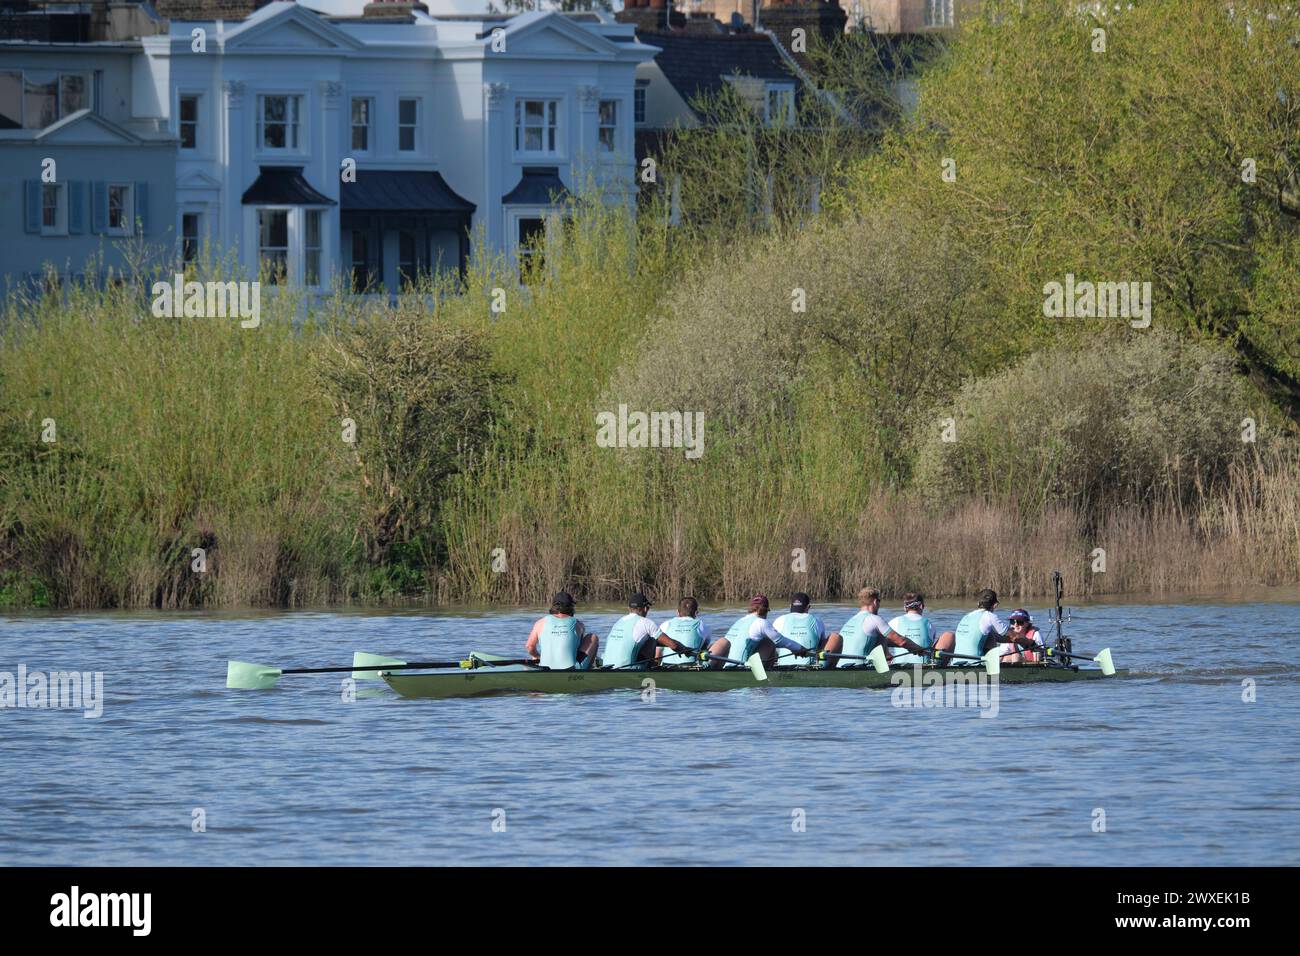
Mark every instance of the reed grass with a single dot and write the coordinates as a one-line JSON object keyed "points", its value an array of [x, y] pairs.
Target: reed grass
{"points": [[176, 434]]}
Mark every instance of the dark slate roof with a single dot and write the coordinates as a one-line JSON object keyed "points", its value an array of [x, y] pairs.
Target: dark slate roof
{"points": [[400, 190], [283, 186], [695, 63], [539, 186]]}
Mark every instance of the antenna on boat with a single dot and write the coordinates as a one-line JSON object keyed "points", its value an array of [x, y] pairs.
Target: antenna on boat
{"points": [[1062, 643]]}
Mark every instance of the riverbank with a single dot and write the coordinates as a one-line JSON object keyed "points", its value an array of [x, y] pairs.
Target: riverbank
{"points": [[942, 380]]}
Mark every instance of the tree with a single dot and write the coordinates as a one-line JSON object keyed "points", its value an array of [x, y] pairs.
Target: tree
{"points": [[1156, 143]]}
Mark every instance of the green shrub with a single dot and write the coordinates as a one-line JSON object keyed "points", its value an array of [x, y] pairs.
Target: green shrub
{"points": [[1152, 417], [422, 396]]}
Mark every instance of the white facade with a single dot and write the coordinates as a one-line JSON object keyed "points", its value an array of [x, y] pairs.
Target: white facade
{"points": [[476, 101]]}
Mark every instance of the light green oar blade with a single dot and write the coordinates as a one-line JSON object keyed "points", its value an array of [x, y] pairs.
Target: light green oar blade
{"points": [[756, 667], [878, 660], [244, 676], [1107, 665], [362, 659], [993, 662]]}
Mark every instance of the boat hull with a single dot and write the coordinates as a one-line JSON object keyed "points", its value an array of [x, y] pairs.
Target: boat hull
{"points": [[487, 681]]}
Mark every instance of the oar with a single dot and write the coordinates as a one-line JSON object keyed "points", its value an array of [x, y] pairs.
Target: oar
{"points": [[754, 663], [241, 675], [367, 666], [1102, 657], [876, 658]]}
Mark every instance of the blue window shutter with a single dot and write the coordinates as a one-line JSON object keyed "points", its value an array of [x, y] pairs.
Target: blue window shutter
{"points": [[98, 206], [142, 207], [76, 207], [31, 205]]}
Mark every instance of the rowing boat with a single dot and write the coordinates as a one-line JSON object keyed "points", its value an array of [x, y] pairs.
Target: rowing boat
{"points": [[486, 681]]}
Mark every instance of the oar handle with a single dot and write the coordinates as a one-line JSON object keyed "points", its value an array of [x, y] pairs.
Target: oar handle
{"points": [[949, 654]]}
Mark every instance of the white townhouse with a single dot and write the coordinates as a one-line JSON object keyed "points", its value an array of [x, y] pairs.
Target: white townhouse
{"points": [[454, 126]]}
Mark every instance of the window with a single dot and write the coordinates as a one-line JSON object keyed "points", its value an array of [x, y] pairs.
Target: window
{"points": [[72, 93], [121, 210], [938, 13], [638, 105], [11, 99], [362, 108], [273, 243], [535, 125], [408, 117], [40, 100], [54, 210], [277, 121], [532, 248], [34, 99], [360, 261], [407, 263], [189, 237], [608, 129], [189, 122], [780, 104], [312, 247]]}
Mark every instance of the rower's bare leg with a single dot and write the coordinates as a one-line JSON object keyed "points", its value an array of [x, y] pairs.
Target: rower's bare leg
{"points": [[720, 647], [946, 642], [834, 645], [588, 647]]}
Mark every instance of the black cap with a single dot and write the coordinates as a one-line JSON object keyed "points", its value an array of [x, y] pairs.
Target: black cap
{"points": [[799, 601], [562, 599], [638, 600]]}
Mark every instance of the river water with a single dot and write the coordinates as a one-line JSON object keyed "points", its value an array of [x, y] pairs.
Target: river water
{"points": [[1176, 762]]}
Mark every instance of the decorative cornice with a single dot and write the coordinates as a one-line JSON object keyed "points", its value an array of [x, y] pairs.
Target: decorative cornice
{"points": [[495, 93]]}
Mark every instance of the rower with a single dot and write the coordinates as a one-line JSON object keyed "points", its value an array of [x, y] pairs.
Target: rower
{"points": [[559, 641], [977, 632], [863, 631], [689, 631], [752, 634], [806, 628], [912, 631], [632, 641], [1022, 628]]}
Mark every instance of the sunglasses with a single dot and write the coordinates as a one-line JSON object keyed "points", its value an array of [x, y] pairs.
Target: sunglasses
{"points": [[1019, 623]]}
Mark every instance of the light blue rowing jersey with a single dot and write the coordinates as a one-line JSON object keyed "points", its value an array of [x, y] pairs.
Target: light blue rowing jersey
{"points": [[806, 629], [738, 637], [974, 630], [857, 642], [918, 630], [558, 643], [690, 631], [625, 640]]}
